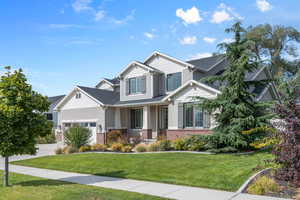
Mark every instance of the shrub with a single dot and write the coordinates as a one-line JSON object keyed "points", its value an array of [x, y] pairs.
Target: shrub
{"points": [[165, 145], [288, 150], [195, 143], [59, 151], [263, 185], [70, 150], [127, 148], [84, 148], [117, 147], [77, 136], [141, 148], [197, 146], [179, 144], [154, 147], [98, 147], [48, 139], [116, 136], [224, 150]]}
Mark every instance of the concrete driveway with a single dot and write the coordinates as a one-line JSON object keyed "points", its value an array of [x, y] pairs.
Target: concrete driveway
{"points": [[43, 150]]}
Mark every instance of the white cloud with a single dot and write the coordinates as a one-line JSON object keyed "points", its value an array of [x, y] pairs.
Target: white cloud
{"points": [[190, 16], [263, 5], [227, 40], [125, 19], [224, 13], [82, 5], [200, 55], [209, 39], [99, 15], [189, 40], [149, 35]]}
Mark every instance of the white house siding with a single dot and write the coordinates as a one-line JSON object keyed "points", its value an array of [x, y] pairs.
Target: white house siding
{"points": [[132, 72], [184, 96], [168, 66], [81, 110]]}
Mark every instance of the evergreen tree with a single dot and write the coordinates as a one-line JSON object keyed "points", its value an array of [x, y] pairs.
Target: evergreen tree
{"points": [[236, 109]]}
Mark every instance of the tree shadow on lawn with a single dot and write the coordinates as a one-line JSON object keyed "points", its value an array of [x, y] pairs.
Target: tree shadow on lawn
{"points": [[45, 182], [96, 178]]}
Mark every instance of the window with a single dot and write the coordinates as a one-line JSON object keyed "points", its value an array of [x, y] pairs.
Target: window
{"points": [[164, 118], [193, 116], [49, 116], [78, 95], [136, 118], [173, 81], [136, 85], [93, 124]]}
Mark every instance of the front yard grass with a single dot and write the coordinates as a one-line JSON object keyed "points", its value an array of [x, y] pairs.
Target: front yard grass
{"points": [[223, 171], [32, 188]]}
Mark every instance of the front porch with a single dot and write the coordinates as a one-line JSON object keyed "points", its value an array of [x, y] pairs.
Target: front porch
{"points": [[148, 121]]}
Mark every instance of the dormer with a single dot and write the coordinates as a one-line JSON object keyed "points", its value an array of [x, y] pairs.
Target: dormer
{"points": [[109, 84]]}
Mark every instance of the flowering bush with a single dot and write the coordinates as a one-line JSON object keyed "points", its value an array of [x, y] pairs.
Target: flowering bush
{"points": [[141, 148]]}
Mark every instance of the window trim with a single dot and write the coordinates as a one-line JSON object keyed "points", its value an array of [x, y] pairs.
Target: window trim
{"points": [[133, 124], [167, 76], [138, 82], [193, 104]]}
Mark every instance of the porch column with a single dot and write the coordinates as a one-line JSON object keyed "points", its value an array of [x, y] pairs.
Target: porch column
{"points": [[118, 118], [146, 117], [147, 131]]}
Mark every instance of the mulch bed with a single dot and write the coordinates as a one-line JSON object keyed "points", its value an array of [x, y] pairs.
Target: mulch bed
{"points": [[287, 190]]}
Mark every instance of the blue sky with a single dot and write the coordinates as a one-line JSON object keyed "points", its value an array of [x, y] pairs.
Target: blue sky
{"points": [[63, 43]]}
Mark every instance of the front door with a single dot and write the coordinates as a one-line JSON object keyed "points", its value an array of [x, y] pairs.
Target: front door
{"points": [[163, 125]]}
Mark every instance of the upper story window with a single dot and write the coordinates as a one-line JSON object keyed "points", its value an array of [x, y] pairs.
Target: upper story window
{"points": [[78, 95], [173, 81], [136, 85]]}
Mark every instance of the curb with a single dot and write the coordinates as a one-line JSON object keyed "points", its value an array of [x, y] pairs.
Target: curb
{"points": [[244, 186]]}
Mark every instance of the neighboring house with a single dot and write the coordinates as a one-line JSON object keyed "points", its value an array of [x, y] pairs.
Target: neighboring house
{"points": [[52, 114], [151, 99]]}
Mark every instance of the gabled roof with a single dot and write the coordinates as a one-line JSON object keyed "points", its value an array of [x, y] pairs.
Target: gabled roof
{"points": [[190, 83], [103, 96], [54, 101], [206, 64], [139, 64], [156, 53], [112, 82]]}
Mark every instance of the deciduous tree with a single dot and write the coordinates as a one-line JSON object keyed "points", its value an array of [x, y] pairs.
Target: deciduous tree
{"points": [[21, 116]]}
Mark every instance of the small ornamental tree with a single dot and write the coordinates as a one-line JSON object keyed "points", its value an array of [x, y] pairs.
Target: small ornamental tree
{"points": [[21, 117], [287, 151], [236, 108]]}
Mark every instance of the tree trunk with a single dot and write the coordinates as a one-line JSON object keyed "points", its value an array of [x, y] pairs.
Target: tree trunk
{"points": [[5, 177]]}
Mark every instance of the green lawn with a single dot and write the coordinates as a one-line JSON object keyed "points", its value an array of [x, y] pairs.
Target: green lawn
{"points": [[33, 188], [223, 171]]}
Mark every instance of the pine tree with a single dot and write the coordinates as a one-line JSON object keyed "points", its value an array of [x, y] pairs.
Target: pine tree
{"points": [[236, 109]]}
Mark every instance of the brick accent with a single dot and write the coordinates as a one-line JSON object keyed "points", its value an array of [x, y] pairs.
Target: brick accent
{"points": [[180, 133], [100, 138], [146, 133]]}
